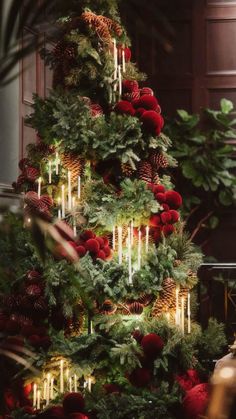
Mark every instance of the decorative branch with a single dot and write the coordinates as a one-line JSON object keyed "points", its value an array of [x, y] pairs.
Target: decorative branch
{"points": [[200, 223]]}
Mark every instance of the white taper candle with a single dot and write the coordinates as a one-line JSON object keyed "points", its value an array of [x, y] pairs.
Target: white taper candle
{"points": [[119, 245]]}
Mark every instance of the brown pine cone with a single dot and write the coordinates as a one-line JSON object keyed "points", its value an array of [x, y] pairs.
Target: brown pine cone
{"points": [[130, 96], [146, 299], [74, 163], [31, 174], [145, 171], [47, 200], [23, 163], [127, 170], [158, 160], [33, 291], [166, 298], [108, 307], [136, 308]]}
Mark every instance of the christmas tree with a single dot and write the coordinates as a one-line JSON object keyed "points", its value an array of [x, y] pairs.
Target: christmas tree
{"points": [[102, 317]]}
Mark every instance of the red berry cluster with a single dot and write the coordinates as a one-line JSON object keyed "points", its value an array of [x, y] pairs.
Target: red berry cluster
{"points": [[24, 313], [143, 104], [163, 222], [98, 247], [152, 345]]}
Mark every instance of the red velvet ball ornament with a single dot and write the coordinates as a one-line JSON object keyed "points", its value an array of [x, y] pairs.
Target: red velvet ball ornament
{"points": [[106, 241], [45, 342], [101, 255], [124, 108], [28, 331], [152, 122], [87, 234], [33, 276], [140, 377], [111, 388], [147, 102], [78, 416], [173, 199], [73, 402], [81, 251], [137, 335], [100, 241], [139, 112], [107, 251], [34, 341], [129, 86], [128, 54], [168, 229], [146, 91], [174, 216], [165, 207], [195, 401], [160, 197], [152, 345], [131, 96], [156, 234], [92, 245], [166, 217], [12, 327], [158, 189], [155, 220]]}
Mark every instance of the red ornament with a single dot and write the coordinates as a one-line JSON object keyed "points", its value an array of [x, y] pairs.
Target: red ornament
{"points": [[131, 96], [173, 199], [165, 207], [195, 401], [33, 276], [124, 108], [100, 241], [147, 102], [92, 245], [87, 234], [146, 91], [152, 345], [128, 54], [174, 216], [158, 189], [31, 174], [137, 335], [160, 197], [106, 241], [107, 251], [155, 220], [129, 86], [101, 255], [111, 388], [139, 112], [140, 377], [81, 251], [168, 229], [152, 122], [156, 234], [166, 217], [33, 291], [73, 402], [12, 327]]}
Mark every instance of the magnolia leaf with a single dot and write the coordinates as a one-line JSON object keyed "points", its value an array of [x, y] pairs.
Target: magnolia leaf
{"points": [[226, 106]]}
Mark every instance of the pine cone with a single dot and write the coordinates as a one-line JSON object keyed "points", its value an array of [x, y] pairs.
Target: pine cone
{"points": [[74, 163], [158, 160], [47, 200], [31, 174], [40, 305], [145, 299], [127, 170], [32, 199], [136, 308], [145, 171], [33, 291], [166, 298], [23, 163], [155, 177], [108, 307]]}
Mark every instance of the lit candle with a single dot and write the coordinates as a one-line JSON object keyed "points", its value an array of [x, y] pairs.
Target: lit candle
{"points": [[123, 60], [61, 376], [79, 187], [115, 64], [50, 171], [182, 314], [74, 229], [89, 384], [39, 186], [69, 191], [67, 378], [119, 245], [38, 399], [132, 233], [48, 388], [44, 389], [120, 80], [189, 314], [34, 395], [177, 306], [52, 389], [57, 161], [129, 255], [59, 209], [75, 383], [63, 212], [70, 385], [73, 202], [139, 248], [147, 238], [113, 237], [168, 317]]}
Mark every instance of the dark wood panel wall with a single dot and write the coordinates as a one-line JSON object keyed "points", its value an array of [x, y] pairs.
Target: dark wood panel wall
{"points": [[190, 60]]}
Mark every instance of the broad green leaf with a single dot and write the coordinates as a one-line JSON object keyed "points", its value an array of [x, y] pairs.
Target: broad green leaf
{"points": [[226, 106], [225, 198], [213, 222]]}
